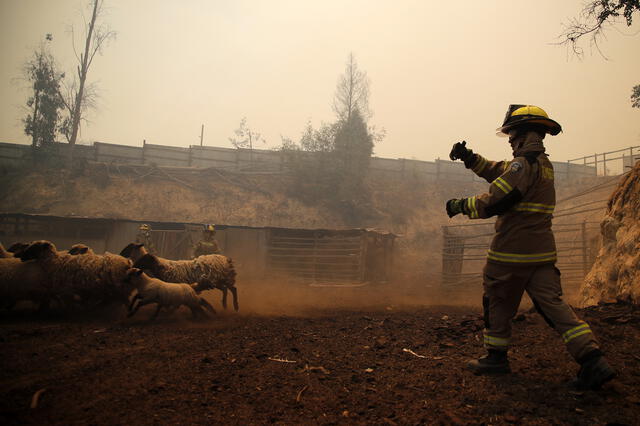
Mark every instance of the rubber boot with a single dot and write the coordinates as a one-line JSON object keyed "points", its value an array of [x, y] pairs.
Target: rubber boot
{"points": [[495, 362], [594, 372]]}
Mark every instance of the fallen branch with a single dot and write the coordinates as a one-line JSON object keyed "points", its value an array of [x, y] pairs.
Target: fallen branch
{"points": [[409, 351], [299, 396], [36, 398], [282, 360]]}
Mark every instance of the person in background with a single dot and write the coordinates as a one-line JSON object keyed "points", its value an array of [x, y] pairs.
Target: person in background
{"points": [[208, 244]]}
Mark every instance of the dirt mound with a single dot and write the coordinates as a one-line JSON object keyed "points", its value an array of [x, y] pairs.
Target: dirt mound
{"points": [[616, 271]]}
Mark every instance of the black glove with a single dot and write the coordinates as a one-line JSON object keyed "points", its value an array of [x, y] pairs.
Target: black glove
{"points": [[455, 206], [460, 151]]}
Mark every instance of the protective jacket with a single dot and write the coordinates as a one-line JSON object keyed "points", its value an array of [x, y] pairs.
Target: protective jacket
{"points": [[522, 195]]}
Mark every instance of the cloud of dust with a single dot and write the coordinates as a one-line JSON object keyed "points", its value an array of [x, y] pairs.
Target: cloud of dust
{"points": [[290, 297]]}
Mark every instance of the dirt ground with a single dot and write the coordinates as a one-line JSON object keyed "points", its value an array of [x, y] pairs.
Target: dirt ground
{"points": [[301, 355]]}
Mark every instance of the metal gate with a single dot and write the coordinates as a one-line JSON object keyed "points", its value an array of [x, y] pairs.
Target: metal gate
{"points": [[317, 256], [464, 248]]}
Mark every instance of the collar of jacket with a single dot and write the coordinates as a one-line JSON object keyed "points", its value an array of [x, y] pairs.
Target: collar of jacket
{"points": [[532, 143]]}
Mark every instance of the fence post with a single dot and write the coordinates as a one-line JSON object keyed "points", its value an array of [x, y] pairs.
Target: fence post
{"points": [[604, 163], [595, 156], [568, 168], [584, 248]]}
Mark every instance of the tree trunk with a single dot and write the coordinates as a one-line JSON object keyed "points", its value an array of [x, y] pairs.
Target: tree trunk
{"points": [[82, 76], [34, 120]]}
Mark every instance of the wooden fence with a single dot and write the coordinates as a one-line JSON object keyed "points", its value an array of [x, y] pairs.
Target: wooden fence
{"points": [[248, 161]]}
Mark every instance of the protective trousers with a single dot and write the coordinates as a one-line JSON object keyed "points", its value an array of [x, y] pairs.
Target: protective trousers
{"points": [[504, 286]]}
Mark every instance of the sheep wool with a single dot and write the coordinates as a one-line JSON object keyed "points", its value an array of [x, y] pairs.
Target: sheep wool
{"points": [[90, 276], [209, 271]]}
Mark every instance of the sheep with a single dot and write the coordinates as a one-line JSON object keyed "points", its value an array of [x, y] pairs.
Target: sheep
{"points": [[17, 247], [4, 254], [167, 295], [78, 249], [134, 251], [91, 277], [23, 281], [208, 271]]}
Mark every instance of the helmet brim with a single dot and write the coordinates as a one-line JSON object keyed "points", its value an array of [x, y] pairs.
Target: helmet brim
{"points": [[551, 126]]}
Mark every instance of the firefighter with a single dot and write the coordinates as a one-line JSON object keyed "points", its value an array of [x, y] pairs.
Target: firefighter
{"points": [[144, 237], [208, 244], [523, 254]]}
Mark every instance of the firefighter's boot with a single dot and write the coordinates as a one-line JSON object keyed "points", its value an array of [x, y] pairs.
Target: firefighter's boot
{"points": [[496, 362], [594, 372]]}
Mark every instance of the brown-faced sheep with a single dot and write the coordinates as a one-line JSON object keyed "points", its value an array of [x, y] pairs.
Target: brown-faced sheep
{"points": [[93, 278], [166, 295], [134, 251], [17, 247]]}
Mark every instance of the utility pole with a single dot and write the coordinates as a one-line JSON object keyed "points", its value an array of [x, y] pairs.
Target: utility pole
{"points": [[201, 134]]}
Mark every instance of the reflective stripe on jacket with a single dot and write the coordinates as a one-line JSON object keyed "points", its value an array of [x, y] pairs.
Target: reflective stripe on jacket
{"points": [[522, 195]]}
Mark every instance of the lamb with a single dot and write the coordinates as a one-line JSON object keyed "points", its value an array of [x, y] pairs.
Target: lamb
{"points": [[92, 277], [208, 271], [23, 281], [166, 295]]}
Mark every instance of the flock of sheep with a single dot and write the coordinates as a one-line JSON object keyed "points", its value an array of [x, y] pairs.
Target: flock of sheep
{"points": [[78, 277]]}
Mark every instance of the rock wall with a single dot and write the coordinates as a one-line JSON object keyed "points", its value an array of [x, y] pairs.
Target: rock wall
{"points": [[616, 272]]}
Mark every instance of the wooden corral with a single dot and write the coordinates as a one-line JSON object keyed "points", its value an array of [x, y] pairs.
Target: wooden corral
{"points": [[314, 256]]}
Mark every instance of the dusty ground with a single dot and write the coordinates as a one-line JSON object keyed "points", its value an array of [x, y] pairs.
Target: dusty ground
{"points": [[344, 364]]}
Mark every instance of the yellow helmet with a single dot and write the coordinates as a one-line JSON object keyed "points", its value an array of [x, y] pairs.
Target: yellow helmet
{"points": [[210, 228], [144, 227], [529, 114]]}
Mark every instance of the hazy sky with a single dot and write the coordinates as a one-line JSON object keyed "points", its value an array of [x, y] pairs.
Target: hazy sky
{"points": [[440, 71]]}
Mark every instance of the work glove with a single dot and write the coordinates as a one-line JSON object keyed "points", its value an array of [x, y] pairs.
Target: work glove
{"points": [[455, 206], [460, 152]]}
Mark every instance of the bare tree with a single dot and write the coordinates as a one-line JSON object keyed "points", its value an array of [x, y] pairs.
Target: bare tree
{"points": [[79, 94], [352, 92], [245, 137], [594, 18]]}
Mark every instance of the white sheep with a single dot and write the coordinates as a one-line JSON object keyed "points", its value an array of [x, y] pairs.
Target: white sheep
{"points": [[165, 295], [91, 277], [208, 271]]}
